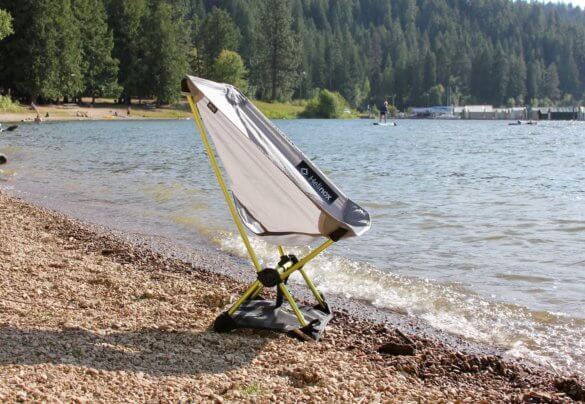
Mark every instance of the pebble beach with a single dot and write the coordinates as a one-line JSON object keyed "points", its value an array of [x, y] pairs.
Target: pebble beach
{"points": [[90, 317]]}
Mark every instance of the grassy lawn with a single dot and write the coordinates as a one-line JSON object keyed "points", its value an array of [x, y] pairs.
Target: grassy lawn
{"points": [[105, 108], [279, 110], [162, 113], [7, 105]]}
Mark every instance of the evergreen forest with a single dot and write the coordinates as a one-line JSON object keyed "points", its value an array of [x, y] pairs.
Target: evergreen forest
{"points": [[410, 52]]}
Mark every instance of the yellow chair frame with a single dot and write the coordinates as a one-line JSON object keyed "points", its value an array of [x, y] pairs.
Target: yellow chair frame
{"points": [[286, 270]]}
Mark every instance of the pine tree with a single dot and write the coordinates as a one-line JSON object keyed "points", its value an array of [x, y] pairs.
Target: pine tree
{"points": [[127, 20], [100, 69], [166, 57], [517, 79], [386, 89], [551, 83], [535, 78], [278, 50], [401, 64], [218, 32], [69, 54], [375, 62], [483, 46], [499, 78], [569, 72], [47, 48], [430, 71], [481, 75]]}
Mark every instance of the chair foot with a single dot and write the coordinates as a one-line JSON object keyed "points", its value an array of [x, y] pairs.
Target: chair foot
{"points": [[224, 323]]}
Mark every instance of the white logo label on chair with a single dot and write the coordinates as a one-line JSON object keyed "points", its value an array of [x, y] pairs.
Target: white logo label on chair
{"points": [[324, 191]]}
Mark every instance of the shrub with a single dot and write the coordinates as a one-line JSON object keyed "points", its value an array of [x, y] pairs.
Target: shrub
{"points": [[7, 105], [326, 104], [229, 68]]}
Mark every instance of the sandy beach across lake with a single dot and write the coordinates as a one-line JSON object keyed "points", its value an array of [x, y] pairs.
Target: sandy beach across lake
{"points": [[90, 317], [102, 111]]}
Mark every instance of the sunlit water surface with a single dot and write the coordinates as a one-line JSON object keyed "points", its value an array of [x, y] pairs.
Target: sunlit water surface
{"points": [[478, 227]]}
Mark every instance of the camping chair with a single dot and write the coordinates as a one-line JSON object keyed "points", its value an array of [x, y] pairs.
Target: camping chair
{"points": [[277, 194]]}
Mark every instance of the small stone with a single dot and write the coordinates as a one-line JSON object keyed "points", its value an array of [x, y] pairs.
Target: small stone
{"points": [[571, 387]]}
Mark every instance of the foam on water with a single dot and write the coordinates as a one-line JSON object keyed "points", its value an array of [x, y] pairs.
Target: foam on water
{"points": [[549, 339]]}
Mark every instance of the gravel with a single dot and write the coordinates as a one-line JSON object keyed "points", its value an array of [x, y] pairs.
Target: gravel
{"points": [[92, 317]]}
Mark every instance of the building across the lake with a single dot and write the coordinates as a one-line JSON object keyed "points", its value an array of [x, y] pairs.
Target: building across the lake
{"points": [[558, 113], [488, 112], [476, 112], [433, 112]]}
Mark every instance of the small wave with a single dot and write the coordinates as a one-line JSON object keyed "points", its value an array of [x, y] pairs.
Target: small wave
{"points": [[524, 278], [389, 205], [572, 229], [433, 224], [493, 237], [543, 337]]}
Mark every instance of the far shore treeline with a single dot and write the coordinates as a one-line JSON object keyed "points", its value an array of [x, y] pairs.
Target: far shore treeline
{"points": [[411, 52]]}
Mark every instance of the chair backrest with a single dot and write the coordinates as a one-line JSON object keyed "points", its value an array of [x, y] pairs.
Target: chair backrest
{"points": [[279, 193]]}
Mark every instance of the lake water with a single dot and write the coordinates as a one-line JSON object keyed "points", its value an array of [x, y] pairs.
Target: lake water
{"points": [[478, 227]]}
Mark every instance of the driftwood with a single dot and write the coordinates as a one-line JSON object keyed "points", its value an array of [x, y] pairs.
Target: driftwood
{"points": [[407, 348]]}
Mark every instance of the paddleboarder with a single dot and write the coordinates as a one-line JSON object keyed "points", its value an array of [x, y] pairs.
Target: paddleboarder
{"points": [[383, 112]]}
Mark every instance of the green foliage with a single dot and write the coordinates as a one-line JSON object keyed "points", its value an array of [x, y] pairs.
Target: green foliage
{"points": [[100, 69], [366, 50], [5, 24], [127, 19], [436, 95], [7, 105], [567, 101], [280, 110], [551, 83], [166, 56], [253, 390], [218, 32], [326, 105], [277, 58], [195, 62], [229, 68], [45, 50]]}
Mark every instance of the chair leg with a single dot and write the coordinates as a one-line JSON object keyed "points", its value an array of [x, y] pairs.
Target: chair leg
{"points": [[247, 294], [313, 288], [293, 304], [308, 281]]}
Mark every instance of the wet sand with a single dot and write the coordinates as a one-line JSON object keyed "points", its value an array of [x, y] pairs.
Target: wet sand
{"points": [[91, 316]]}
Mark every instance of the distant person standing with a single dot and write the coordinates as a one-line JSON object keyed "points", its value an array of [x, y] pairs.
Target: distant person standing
{"points": [[384, 112]]}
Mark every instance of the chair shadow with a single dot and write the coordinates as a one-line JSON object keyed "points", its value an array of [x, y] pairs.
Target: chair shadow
{"points": [[153, 352]]}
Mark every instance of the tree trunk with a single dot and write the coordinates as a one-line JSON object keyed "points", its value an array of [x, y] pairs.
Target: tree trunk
{"points": [[274, 63], [273, 96]]}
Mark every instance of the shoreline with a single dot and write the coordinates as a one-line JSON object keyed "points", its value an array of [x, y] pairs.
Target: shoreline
{"points": [[98, 112], [109, 111], [116, 319]]}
